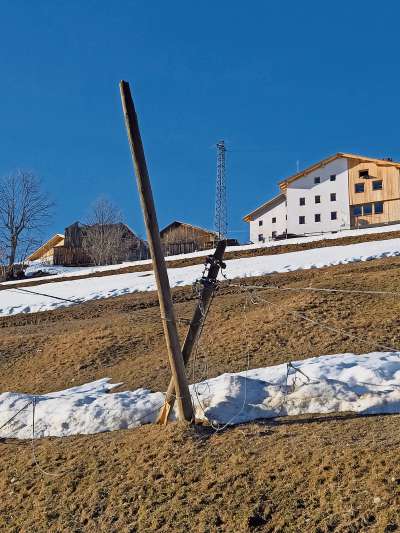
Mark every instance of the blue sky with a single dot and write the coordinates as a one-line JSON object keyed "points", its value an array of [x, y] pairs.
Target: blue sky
{"points": [[278, 81]]}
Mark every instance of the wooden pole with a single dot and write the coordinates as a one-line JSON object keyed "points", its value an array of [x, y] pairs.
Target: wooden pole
{"points": [[196, 323], [184, 402]]}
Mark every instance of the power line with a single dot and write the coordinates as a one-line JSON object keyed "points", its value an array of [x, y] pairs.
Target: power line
{"points": [[43, 294], [339, 331], [318, 289]]}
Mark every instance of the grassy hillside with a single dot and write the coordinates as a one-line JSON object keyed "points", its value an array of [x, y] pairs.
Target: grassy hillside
{"points": [[332, 473]]}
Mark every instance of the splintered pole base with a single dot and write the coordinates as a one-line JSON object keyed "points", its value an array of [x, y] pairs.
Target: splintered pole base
{"points": [[164, 414], [209, 285]]}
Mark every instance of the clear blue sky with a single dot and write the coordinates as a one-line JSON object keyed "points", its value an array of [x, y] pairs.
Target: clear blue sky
{"points": [[279, 81]]}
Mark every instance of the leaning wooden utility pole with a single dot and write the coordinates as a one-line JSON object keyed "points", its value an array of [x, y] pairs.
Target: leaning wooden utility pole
{"points": [[209, 283], [184, 402]]}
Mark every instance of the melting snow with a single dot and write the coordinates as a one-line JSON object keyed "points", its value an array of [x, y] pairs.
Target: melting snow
{"points": [[365, 384], [13, 301]]}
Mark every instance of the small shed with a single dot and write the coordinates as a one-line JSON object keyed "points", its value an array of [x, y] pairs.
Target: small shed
{"points": [[45, 253], [182, 238]]}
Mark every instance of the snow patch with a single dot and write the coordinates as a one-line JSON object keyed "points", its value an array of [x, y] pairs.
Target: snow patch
{"points": [[365, 384], [13, 301]]}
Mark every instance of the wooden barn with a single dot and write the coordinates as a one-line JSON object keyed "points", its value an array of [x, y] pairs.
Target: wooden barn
{"points": [[119, 242], [181, 238], [45, 253]]}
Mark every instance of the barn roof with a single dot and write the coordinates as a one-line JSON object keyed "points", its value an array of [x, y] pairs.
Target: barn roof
{"points": [[177, 223]]}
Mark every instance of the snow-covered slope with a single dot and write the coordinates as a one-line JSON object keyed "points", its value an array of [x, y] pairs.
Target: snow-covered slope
{"points": [[61, 271], [368, 384], [13, 301]]}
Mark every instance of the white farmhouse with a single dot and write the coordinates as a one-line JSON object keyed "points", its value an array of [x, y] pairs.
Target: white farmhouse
{"points": [[340, 192]]}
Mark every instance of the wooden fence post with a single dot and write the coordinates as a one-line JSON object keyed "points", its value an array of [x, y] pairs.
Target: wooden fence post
{"points": [[184, 402], [200, 312]]}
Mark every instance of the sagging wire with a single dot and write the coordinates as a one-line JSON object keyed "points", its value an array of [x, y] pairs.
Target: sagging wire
{"points": [[43, 294], [319, 289], [219, 427]]}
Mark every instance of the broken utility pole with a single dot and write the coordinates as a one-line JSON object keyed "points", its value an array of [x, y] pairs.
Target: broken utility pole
{"points": [[184, 402], [209, 283]]}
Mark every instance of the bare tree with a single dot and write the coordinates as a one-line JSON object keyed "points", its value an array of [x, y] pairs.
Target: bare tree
{"points": [[103, 239], [24, 210]]}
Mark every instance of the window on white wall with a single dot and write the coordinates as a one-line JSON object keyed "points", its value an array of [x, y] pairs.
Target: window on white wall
{"points": [[302, 220], [260, 222], [260, 237], [333, 215], [333, 197], [302, 201], [333, 177], [317, 180], [317, 217], [317, 199], [273, 220]]}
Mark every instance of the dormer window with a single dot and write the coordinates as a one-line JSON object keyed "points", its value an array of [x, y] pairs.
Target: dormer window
{"points": [[363, 174]]}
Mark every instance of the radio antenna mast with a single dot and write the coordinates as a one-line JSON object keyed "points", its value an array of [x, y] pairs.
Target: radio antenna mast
{"points": [[221, 218]]}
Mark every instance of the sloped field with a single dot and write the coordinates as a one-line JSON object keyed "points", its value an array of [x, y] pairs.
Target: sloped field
{"points": [[316, 474]]}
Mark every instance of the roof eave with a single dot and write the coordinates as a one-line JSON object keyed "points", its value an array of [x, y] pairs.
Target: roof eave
{"points": [[250, 216]]}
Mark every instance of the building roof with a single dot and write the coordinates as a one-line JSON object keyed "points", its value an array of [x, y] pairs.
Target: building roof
{"points": [[45, 247], [270, 203], [179, 223], [283, 184]]}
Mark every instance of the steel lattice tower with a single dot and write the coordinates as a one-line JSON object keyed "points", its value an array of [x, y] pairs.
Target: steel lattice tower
{"points": [[221, 218]]}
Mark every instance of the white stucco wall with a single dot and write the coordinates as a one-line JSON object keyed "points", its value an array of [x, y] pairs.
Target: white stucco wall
{"points": [[306, 188], [278, 211]]}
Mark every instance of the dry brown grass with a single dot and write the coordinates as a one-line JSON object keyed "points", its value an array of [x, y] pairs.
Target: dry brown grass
{"points": [[315, 474]]}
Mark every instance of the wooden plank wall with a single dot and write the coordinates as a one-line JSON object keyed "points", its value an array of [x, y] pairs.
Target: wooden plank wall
{"points": [[389, 195], [186, 239], [391, 213], [185, 233]]}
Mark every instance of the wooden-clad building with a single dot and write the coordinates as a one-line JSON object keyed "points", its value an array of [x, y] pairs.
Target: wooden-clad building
{"points": [[76, 250], [181, 238], [374, 190], [45, 253], [340, 192]]}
